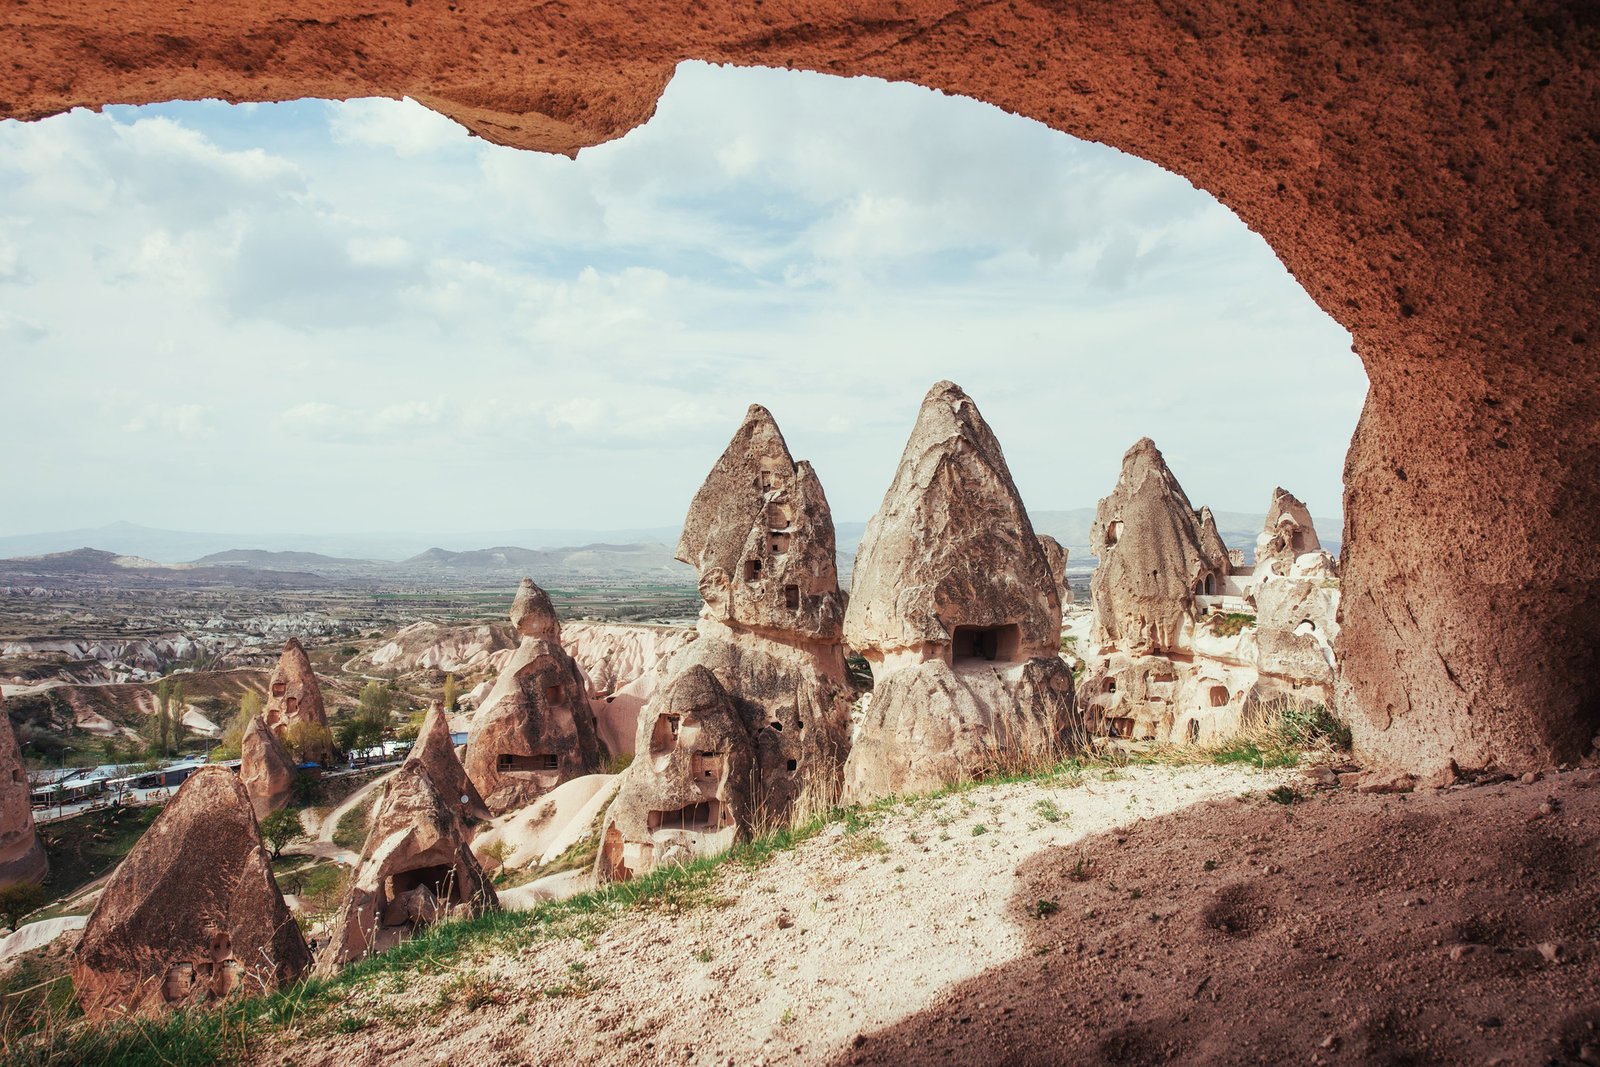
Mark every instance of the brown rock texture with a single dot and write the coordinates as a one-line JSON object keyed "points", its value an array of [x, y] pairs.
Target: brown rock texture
{"points": [[760, 533], [1424, 170], [265, 768], [532, 614], [691, 787], [415, 869], [535, 729], [294, 698], [193, 914], [1156, 555], [1055, 557], [1287, 534], [955, 606], [22, 858], [437, 755]]}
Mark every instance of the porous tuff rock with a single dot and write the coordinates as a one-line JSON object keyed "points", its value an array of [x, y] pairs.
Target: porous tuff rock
{"points": [[294, 697], [415, 869], [690, 789], [533, 615], [954, 605], [436, 753], [1055, 557], [1477, 383], [624, 666], [1286, 535], [1297, 629], [951, 546], [535, 730], [760, 534], [1155, 555], [192, 914], [771, 633], [265, 768], [1198, 700], [22, 858]]}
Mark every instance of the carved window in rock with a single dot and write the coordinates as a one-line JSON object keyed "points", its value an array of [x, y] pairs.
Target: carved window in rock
{"points": [[1218, 695], [1113, 532], [1109, 685], [1119, 727], [553, 693], [1210, 585], [696, 817], [1192, 731], [752, 570], [278, 688], [791, 597], [779, 542], [520, 763], [291, 705], [664, 735], [1002, 644], [708, 766]]}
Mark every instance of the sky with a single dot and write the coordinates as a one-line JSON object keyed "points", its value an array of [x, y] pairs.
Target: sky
{"points": [[352, 316]]}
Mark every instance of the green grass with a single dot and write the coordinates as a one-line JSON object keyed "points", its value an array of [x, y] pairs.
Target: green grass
{"points": [[89, 846], [351, 830], [1229, 625]]}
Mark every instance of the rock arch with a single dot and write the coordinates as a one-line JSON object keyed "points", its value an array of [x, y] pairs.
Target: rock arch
{"points": [[1425, 169]]}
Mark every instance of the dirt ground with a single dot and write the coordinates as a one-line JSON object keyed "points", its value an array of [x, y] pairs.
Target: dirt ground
{"points": [[1152, 915]]}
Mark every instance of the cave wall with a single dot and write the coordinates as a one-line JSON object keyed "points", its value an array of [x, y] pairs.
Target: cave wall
{"points": [[1427, 169]]}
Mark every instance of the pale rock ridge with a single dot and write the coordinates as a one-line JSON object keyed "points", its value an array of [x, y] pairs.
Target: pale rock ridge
{"points": [[22, 858], [624, 665], [1287, 534], [690, 789], [955, 606], [193, 914], [535, 729]]}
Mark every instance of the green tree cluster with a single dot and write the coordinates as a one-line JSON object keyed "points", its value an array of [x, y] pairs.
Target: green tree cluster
{"points": [[163, 730], [372, 720], [233, 733]]}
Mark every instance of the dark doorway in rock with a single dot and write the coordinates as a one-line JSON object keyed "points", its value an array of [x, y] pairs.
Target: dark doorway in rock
{"points": [[791, 597], [752, 569], [990, 643], [698, 817], [1119, 727], [518, 763]]}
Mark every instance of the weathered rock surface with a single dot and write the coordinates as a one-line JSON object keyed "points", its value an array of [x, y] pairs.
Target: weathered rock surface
{"points": [[22, 858], [532, 614], [193, 914], [536, 729], [953, 591], [760, 533], [624, 665], [1055, 557], [416, 868], [1287, 534], [436, 753], [265, 768], [433, 646], [1156, 555], [294, 698], [691, 787]]}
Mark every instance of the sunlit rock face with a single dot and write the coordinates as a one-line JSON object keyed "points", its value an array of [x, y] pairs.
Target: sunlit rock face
{"points": [[760, 533], [624, 665], [265, 768], [689, 791], [535, 729], [22, 858], [955, 606], [193, 914], [294, 699], [1287, 535], [1055, 555], [416, 867]]}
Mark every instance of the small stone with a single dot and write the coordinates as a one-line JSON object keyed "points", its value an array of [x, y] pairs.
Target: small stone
{"points": [[1529, 778], [784, 920], [1460, 952], [1551, 951], [1329, 1041]]}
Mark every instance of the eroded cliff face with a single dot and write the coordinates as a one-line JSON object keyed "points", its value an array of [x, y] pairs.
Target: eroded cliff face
{"points": [[22, 857], [1427, 177]]}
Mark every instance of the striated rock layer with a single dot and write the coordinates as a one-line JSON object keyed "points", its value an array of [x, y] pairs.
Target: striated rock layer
{"points": [[760, 533], [955, 605], [535, 729], [193, 915], [22, 857], [690, 789]]}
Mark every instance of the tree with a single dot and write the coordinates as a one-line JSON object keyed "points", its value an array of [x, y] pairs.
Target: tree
{"points": [[17, 900], [233, 733], [449, 692], [307, 742], [279, 828], [377, 700]]}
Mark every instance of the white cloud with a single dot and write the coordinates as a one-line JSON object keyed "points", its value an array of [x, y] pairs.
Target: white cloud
{"points": [[404, 127]]}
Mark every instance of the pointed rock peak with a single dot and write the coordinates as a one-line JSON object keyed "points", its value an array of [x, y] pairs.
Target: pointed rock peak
{"points": [[435, 753], [265, 768], [1286, 534], [294, 659], [294, 703], [193, 914], [532, 613]]}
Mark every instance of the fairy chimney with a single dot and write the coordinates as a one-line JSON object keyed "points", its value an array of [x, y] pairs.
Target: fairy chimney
{"points": [[536, 729], [1286, 535], [22, 858], [1156, 555], [955, 606], [437, 753], [193, 914], [1055, 556], [294, 702], [533, 615], [265, 768], [760, 534], [689, 789]]}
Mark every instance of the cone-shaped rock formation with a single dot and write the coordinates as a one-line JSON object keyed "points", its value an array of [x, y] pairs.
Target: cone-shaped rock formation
{"points": [[193, 914], [22, 858], [437, 754], [955, 606], [535, 729], [294, 704], [1286, 535], [760, 533], [688, 791], [533, 615], [416, 866], [265, 768]]}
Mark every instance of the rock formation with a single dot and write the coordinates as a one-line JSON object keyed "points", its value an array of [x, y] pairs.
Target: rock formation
{"points": [[22, 858], [760, 533], [624, 665], [689, 790], [416, 866], [1156, 556], [535, 730], [436, 753], [193, 914], [954, 605], [1055, 557], [1189, 646], [265, 768], [294, 699]]}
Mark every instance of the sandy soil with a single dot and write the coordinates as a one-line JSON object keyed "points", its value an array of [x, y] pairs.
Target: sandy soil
{"points": [[848, 933]]}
